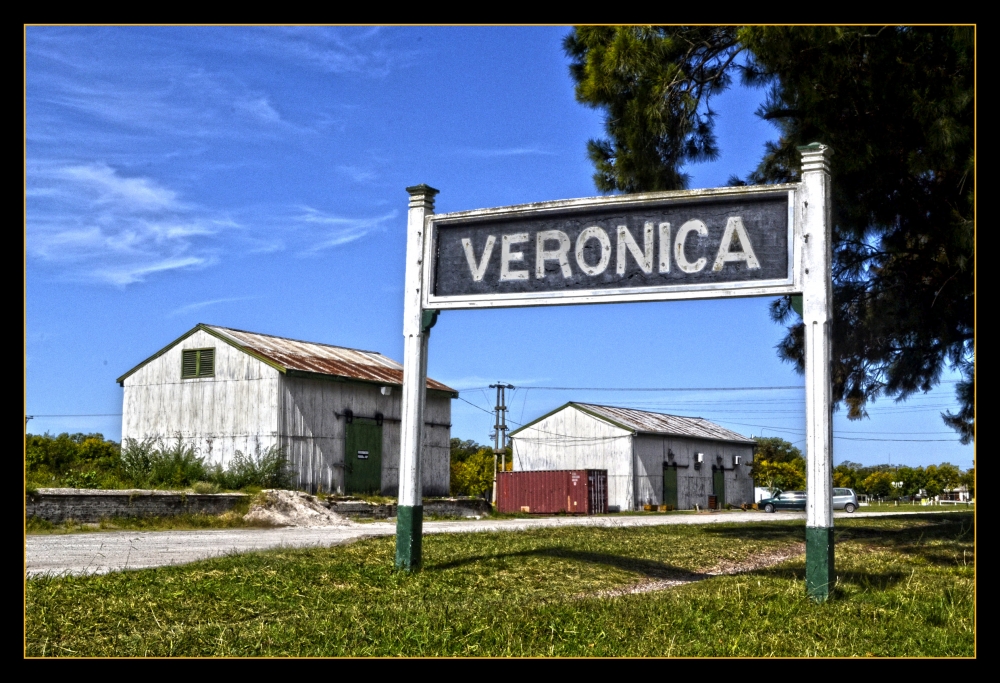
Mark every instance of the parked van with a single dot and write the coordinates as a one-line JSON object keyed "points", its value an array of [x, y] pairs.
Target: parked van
{"points": [[843, 499]]}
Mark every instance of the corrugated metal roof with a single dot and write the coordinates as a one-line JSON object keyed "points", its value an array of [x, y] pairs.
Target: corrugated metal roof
{"points": [[660, 423], [322, 359]]}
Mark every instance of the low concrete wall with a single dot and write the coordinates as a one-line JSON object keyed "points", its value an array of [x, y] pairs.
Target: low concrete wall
{"points": [[93, 505], [457, 507], [359, 508]]}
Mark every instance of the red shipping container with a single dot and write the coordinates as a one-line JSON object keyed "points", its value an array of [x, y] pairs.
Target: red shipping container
{"points": [[549, 492]]}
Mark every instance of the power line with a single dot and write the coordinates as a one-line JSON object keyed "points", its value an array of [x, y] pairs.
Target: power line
{"points": [[488, 412], [79, 415], [796, 386], [847, 438]]}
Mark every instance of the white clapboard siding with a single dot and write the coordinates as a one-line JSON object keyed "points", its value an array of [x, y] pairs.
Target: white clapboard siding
{"points": [[234, 410], [313, 432], [248, 405], [694, 486], [436, 457], [573, 440]]}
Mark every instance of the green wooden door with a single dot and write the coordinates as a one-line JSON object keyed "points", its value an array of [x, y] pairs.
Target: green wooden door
{"points": [[719, 487], [670, 485], [363, 457]]}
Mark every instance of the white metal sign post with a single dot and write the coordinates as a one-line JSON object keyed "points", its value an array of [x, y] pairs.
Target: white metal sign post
{"points": [[698, 244], [416, 331], [817, 315]]}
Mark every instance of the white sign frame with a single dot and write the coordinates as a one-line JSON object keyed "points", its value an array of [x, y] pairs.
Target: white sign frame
{"points": [[791, 284], [810, 273]]}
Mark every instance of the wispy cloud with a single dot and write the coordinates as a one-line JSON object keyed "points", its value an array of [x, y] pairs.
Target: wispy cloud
{"points": [[168, 90], [126, 275], [357, 174], [329, 230], [503, 152], [109, 109], [259, 108], [198, 305], [110, 188], [335, 50], [92, 222]]}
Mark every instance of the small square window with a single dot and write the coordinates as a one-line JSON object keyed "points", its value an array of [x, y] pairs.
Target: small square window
{"points": [[198, 363]]}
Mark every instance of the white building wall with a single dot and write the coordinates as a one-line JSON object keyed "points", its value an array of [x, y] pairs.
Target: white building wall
{"points": [[249, 405], [314, 435], [435, 473], [573, 440], [694, 486], [237, 409]]}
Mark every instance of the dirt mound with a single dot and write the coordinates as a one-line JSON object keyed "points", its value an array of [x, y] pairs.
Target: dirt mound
{"points": [[292, 508]]}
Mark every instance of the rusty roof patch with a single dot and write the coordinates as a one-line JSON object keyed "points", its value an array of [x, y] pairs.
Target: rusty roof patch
{"points": [[659, 423], [323, 359]]}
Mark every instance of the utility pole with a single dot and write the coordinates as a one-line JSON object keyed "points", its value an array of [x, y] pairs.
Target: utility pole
{"points": [[500, 431]]}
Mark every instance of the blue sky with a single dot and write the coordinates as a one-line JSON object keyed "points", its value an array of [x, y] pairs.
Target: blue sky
{"points": [[254, 178]]}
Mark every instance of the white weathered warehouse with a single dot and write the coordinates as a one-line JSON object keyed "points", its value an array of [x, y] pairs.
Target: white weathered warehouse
{"points": [[335, 411], [651, 458]]}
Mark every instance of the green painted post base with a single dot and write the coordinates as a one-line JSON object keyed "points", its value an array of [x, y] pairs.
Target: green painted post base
{"points": [[409, 536], [819, 562]]}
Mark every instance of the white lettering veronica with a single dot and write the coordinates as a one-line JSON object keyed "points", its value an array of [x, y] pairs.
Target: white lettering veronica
{"points": [[682, 262], [644, 256], [506, 256], [664, 247], [542, 255], [735, 226], [593, 233], [478, 271]]}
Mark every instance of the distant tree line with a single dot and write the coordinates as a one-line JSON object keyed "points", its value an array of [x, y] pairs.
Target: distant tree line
{"points": [[894, 482], [778, 465], [89, 461], [472, 468]]}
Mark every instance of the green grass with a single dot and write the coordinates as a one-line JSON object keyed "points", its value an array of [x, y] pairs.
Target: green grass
{"points": [[905, 588], [911, 507]]}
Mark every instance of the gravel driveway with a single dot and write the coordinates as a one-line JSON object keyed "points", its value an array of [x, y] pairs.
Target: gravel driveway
{"points": [[104, 551]]}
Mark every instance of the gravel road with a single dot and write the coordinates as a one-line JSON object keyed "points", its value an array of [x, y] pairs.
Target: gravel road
{"points": [[105, 551]]}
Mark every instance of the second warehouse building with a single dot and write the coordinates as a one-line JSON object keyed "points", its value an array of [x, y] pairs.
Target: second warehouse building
{"points": [[651, 458]]}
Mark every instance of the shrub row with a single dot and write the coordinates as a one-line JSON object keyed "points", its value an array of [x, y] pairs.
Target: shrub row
{"points": [[90, 461]]}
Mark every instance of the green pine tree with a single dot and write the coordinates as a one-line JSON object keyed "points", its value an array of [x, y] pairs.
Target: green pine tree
{"points": [[897, 106]]}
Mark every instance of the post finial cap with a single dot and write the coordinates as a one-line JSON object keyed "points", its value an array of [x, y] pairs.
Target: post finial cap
{"points": [[815, 147], [815, 157], [422, 189]]}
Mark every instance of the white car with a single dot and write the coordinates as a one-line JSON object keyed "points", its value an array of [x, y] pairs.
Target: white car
{"points": [[845, 499]]}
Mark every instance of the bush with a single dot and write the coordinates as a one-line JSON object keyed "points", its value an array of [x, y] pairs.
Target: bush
{"points": [[178, 465], [473, 476], [268, 469], [136, 460], [89, 461], [76, 460]]}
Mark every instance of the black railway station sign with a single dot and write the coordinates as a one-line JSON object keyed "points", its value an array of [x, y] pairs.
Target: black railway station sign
{"points": [[698, 244]]}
